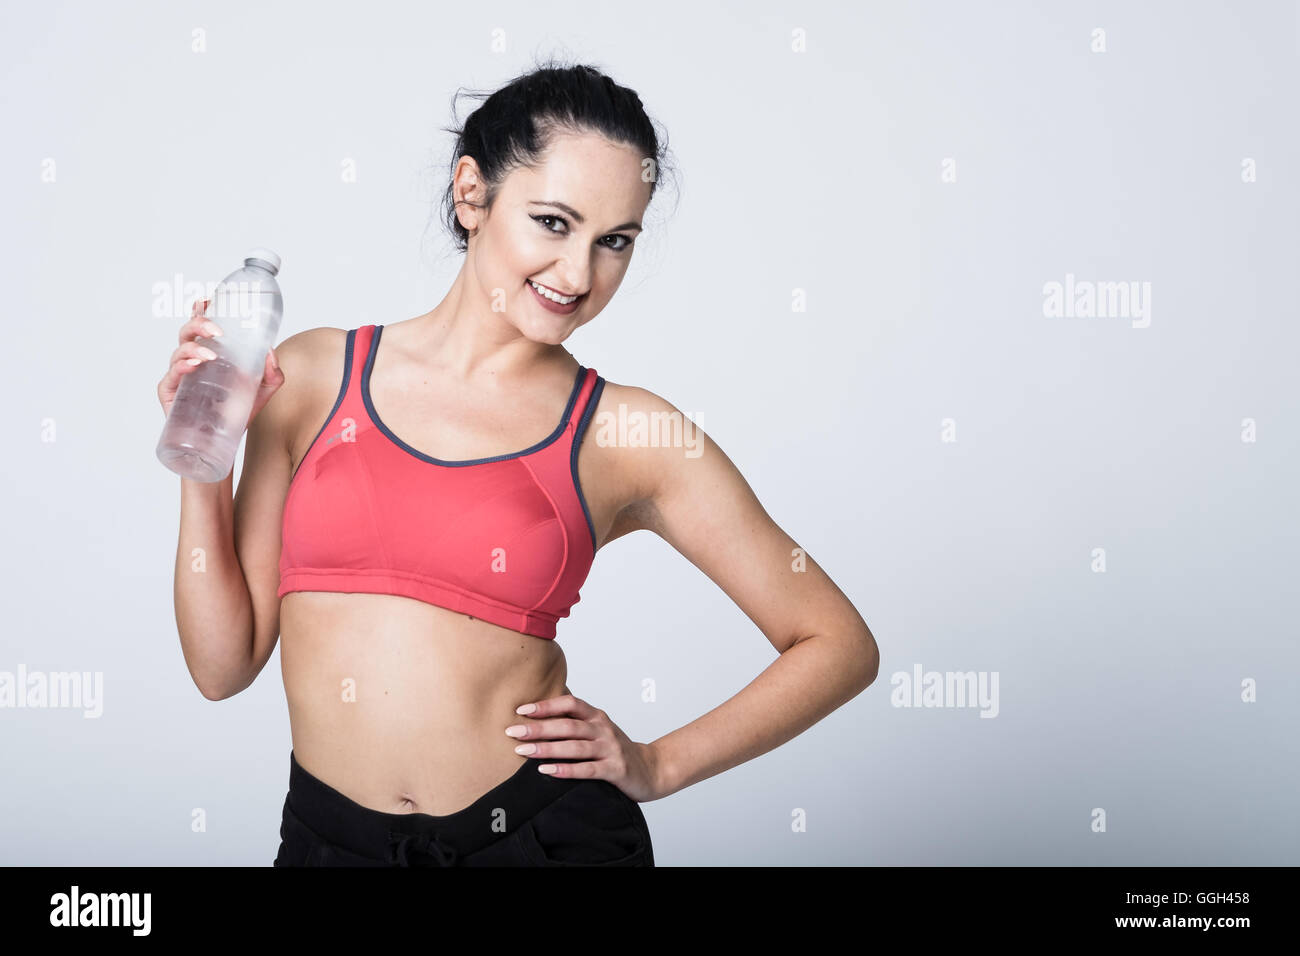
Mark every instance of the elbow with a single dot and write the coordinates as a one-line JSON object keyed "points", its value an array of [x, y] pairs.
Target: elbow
{"points": [[213, 689], [221, 675], [856, 658], [873, 671], [213, 694], [870, 660]]}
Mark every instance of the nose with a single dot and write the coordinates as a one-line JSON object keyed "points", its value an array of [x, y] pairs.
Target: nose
{"points": [[575, 272]]}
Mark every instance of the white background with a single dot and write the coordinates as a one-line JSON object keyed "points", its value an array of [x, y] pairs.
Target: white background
{"points": [[818, 171]]}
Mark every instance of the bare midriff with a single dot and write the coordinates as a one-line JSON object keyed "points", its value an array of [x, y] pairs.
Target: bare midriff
{"points": [[402, 706]]}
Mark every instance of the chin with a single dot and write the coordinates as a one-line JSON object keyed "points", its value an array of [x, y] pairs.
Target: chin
{"points": [[544, 335]]}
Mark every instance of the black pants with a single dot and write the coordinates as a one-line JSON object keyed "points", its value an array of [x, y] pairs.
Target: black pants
{"points": [[531, 819]]}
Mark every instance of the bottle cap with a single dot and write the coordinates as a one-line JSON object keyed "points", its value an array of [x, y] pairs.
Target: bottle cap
{"points": [[267, 256]]}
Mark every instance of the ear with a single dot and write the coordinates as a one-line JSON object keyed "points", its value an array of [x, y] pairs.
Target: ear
{"points": [[469, 193]]}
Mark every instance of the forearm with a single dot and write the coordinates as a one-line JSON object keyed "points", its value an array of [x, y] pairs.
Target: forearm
{"points": [[213, 607], [804, 684]]}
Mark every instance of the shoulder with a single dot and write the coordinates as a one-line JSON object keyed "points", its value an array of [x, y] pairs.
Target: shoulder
{"points": [[621, 408], [311, 348], [633, 398], [312, 363], [653, 442]]}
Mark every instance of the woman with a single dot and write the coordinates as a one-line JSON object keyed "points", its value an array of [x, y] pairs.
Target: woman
{"points": [[421, 501]]}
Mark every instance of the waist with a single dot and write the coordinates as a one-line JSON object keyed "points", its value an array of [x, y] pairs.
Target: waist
{"points": [[403, 706], [330, 815]]}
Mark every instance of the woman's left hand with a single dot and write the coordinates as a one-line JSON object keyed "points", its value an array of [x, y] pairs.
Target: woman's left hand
{"points": [[570, 727]]}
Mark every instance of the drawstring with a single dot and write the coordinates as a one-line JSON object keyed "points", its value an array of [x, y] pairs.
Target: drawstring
{"points": [[426, 844]]}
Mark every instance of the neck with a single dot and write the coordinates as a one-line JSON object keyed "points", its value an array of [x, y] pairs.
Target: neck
{"points": [[467, 340]]}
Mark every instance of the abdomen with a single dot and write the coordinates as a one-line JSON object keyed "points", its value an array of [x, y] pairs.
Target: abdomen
{"points": [[391, 698]]}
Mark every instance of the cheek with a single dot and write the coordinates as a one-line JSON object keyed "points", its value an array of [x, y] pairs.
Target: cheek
{"points": [[503, 266], [607, 283], [516, 245], [514, 262]]}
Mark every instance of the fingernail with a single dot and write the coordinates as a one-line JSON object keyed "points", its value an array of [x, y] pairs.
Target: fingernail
{"points": [[515, 731], [526, 709], [207, 353], [213, 329], [547, 768], [193, 361], [526, 749]]}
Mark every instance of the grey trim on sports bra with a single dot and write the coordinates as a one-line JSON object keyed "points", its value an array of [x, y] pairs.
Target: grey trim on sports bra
{"points": [[374, 417], [343, 390], [573, 455]]}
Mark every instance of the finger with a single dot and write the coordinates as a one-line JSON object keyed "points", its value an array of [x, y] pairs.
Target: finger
{"points": [[554, 728], [190, 351], [198, 309], [564, 749], [272, 377], [581, 770], [198, 326], [564, 704], [171, 381]]}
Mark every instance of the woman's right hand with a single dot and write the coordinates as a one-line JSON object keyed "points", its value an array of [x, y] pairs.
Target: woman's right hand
{"points": [[190, 355]]}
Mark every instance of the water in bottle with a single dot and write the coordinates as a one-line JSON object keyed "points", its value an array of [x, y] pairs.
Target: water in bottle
{"points": [[213, 402]]}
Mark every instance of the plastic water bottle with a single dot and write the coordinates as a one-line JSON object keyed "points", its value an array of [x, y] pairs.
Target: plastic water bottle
{"points": [[213, 402]]}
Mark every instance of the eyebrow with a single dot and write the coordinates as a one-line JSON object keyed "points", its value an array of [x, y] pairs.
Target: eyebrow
{"points": [[577, 216]]}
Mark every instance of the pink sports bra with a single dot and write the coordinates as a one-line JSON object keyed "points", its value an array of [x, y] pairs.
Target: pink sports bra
{"points": [[506, 539]]}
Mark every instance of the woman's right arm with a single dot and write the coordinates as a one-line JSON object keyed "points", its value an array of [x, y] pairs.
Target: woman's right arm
{"points": [[228, 552]]}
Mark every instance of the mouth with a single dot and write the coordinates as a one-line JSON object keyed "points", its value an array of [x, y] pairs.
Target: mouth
{"points": [[553, 301]]}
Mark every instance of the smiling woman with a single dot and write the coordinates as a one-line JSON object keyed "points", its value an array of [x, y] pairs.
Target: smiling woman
{"points": [[419, 508]]}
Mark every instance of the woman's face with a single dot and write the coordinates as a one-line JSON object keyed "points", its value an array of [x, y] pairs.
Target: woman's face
{"points": [[568, 225]]}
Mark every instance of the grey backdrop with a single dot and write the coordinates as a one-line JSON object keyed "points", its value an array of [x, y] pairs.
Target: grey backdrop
{"points": [[849, 274]]}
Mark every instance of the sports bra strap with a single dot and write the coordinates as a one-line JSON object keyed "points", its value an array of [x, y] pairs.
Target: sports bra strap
{"points": [[588, 396]]}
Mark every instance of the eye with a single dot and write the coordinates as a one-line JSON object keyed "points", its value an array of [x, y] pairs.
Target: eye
{"points": [[627, 240], [555, 218]]}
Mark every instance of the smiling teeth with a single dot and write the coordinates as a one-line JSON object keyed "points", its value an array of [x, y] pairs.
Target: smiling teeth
{"points": [[553, 296]]}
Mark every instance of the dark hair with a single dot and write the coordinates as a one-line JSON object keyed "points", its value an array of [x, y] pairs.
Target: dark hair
{"points": [[517, 123]]}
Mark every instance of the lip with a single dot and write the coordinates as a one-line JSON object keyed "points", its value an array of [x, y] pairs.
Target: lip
{"points": [[555, 307]]}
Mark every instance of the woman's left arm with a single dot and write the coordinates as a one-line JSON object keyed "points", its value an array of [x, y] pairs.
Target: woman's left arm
{"points": [[699, 502], [694, 497]]}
